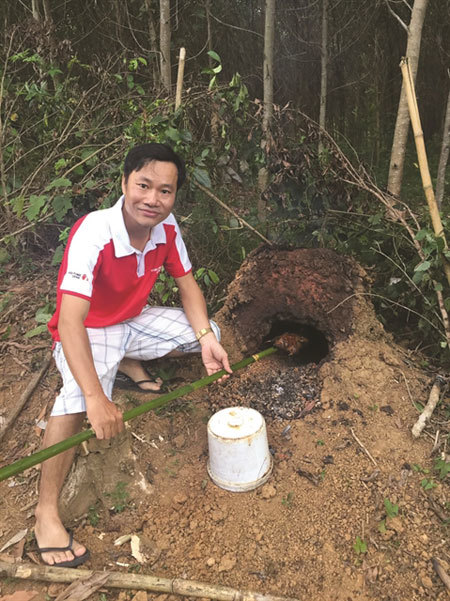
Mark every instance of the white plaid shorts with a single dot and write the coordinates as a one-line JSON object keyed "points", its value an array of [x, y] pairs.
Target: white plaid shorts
{"points": [[154, 333]]}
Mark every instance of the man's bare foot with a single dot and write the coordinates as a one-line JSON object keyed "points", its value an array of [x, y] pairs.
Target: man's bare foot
{"points": [[52, 534], [136, 372]]}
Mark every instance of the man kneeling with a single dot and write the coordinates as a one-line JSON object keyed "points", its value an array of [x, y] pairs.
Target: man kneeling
{"points": [[103, 324]]}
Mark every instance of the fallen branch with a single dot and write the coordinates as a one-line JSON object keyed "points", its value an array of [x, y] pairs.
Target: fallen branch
{"points": [[174, 586], [433, 400], [441, 572], [26, 395], [363, 448]]}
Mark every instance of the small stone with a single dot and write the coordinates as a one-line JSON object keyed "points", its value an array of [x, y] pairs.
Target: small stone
{"points": [[217, 515], [54, 590], [268, 491], [395, 523], [426, 581], [210, 562], [227, 562], [193, 524], [180, 498], [179, 441]]}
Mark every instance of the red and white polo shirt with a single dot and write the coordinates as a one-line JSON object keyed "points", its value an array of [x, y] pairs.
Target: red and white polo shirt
{"points": [[100, 265]]}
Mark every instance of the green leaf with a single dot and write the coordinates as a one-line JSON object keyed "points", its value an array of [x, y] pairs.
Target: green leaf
{"points": [[61, 204], [36, 204], [18, 205], [423, 266], [36, 331], [59, 182], [58, 255], [214, 55], [202, 177], [443, 467], [391, 509], [213, 275], [173, 134], [60, 163], [360, 546], [382, 527]]}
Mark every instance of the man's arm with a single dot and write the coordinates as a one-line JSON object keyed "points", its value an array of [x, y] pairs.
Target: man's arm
{"points": [[105, 418], [214, 356]]}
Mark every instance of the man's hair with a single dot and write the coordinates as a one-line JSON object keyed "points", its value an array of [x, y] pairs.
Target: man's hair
{"points": [[141, 155]]}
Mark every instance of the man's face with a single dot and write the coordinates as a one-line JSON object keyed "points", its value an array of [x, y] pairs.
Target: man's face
{"points": [[149, 196]]}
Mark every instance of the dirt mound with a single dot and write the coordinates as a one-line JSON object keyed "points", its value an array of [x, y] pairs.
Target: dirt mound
{"points": [[354, 507]]}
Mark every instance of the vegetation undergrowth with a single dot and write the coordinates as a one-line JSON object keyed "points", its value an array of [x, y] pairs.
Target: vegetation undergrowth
{"points": [[66, 129]]}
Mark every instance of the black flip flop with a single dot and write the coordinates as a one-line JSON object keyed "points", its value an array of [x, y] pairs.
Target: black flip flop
{"points": [[126, 383], [73, 563]]}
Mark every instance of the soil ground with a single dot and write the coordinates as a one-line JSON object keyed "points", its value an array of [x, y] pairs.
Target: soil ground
{"points": [[318, 529]]}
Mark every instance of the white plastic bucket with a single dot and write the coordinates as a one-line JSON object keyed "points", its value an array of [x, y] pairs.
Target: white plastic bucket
{"points": [[239, 456]]}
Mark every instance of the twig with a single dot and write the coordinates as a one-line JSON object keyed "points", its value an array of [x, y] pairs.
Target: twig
{"points": [[433, 400], [174, 586], [363, 448], [407, 388], [26, 395], [441, 572], [434, 506], [227, 208]]}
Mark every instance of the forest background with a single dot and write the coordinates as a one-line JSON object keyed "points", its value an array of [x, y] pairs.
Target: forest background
{"points": [[288, 122]]}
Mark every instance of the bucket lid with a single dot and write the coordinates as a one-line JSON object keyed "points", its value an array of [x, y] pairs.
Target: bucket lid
{"points": [[235, 422]]}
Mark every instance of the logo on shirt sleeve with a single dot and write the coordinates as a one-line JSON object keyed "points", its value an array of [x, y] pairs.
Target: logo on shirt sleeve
{"points": [[78, 276]]}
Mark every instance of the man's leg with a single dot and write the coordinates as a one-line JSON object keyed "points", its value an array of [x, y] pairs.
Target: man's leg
{"points": [[49, 529], [159, 332]]}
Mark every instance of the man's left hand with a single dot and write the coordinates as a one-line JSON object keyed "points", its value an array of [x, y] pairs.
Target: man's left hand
{"points": [[214, 356]]}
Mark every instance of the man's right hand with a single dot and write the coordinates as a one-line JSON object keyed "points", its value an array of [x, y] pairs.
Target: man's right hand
{"points": [[105, 418]]}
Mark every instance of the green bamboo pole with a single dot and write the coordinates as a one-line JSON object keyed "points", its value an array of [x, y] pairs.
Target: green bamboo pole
{"points": [[73, 441]]}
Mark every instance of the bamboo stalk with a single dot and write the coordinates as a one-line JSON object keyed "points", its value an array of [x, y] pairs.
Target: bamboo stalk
{"points": [[422, 159], [180, 76], [174, 586], [72, 441]]}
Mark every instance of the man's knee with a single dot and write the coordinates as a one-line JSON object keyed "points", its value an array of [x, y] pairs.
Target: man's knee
{"points": [[215, 329]]}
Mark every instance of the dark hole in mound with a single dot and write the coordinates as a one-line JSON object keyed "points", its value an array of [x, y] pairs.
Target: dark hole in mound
{"points": [[314, 350], [282, 386]]}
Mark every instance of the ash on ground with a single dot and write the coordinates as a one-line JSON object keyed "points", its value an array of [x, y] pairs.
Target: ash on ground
{"points": [[276, 388]]}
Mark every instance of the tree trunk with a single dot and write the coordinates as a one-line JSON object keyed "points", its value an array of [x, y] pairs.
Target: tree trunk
{"points": [[214, 106], [402, 124], [164, 40], [47, 13], [323, 69], [153, 44], [35, 10], [269, 30], [440, 180]]}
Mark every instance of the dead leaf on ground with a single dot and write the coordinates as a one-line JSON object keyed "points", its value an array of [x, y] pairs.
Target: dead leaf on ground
{"points": [[20, 596], [15, 539], [135, 549], [82, 589]]}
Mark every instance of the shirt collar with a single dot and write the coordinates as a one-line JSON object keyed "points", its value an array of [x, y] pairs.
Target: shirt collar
{"points": [[121, 239]]}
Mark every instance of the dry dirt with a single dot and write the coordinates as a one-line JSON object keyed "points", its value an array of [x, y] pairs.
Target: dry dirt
{"points": [[297, 534]]}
